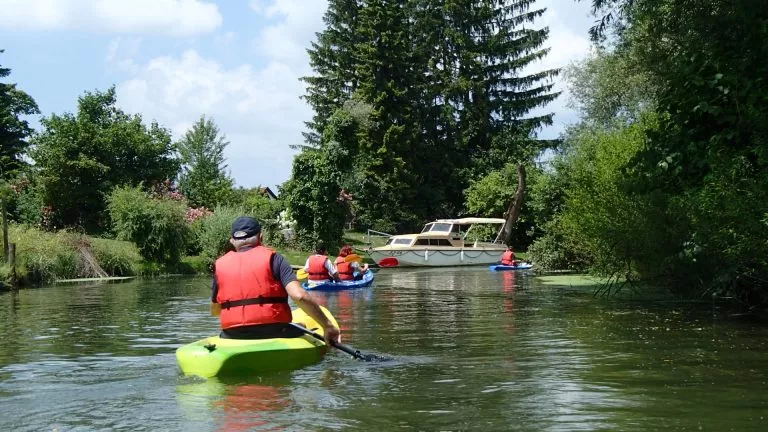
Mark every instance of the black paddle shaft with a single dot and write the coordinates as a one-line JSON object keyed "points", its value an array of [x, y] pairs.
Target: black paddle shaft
{"points": [[349, 350]]}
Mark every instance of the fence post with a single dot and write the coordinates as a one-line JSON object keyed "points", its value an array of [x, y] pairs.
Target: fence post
{"points": [[12, 264]]}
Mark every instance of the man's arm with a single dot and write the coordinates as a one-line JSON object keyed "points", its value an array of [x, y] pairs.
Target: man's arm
{"points": [[283, 271], [308, 305], [215, 307]]}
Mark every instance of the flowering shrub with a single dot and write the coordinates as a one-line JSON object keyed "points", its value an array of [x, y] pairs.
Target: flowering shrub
{"points": [[194, 214]]}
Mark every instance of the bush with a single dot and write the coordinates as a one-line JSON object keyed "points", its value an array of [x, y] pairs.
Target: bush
{"points": [[157, 226], [117, 258], [213, 233]]}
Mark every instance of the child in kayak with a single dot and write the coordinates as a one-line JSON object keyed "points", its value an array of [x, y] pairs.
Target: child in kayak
{"points": [[319, 267], [349, 270], [508, 257]]}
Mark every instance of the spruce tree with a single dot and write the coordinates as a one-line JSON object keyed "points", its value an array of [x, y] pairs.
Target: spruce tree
{"points": [[333, 60], [203, 178]]}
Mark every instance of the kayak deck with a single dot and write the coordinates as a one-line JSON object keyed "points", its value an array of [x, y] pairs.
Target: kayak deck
{"points": [[367, 280], [500, 267], [214, 356]]}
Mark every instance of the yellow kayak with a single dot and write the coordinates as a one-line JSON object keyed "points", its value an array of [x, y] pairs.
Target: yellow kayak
{"points": [[214, 356]]}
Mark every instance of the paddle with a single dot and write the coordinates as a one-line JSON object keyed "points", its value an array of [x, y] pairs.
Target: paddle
{"points": [[347, 349], [353, 257], [301, 274]]}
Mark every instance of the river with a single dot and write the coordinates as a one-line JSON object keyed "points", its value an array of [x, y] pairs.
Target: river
{"points": [[471, 350]]}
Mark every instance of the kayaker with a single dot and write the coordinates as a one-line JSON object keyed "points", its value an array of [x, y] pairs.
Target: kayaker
{"points": [[319, 267], [349, 270], [508, 257], [251, 286]]}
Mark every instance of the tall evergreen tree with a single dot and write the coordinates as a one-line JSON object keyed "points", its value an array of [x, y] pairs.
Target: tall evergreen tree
{"points": [[203, 178], [334, 61], [14, 129]]}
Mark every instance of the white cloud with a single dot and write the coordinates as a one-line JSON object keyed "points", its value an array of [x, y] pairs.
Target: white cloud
{"points": [[167, 17], [294, 24], [258, 109]]}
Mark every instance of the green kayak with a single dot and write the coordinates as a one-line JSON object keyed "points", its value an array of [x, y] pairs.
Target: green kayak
{"points": [[214, 356]]}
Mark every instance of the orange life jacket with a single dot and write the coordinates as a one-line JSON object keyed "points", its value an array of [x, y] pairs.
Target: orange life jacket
{"points": [[508, 258], [346, 272], [317, 270], [248, 292]]}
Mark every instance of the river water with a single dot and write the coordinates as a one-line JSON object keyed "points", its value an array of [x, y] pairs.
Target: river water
{"points": [[471, 350]]}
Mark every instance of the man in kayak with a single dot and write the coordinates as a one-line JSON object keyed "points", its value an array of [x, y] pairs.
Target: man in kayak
{"points": [[349, 270], [251, 286], [508, 257], [319, 268]]}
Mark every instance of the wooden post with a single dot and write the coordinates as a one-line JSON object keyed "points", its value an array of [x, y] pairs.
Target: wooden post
{"points": [[12, 264], [6, 254]]}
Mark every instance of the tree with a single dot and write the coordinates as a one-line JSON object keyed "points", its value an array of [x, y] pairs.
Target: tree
{"points": [[334, 60], [14, 130], [203, 179], [81, 157]]}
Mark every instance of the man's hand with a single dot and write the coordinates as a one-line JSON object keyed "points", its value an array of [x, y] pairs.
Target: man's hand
{"points": [[332, 334]]}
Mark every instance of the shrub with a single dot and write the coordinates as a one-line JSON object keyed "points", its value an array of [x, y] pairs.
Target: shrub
{"points": [[157, 226], [213, 233]]}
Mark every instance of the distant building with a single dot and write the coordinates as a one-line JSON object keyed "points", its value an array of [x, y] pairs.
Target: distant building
{"points": [[267, 192]]}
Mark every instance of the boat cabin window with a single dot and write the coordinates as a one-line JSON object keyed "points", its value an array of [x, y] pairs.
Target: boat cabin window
{"points": [[433, 242], [427, 227], [441, 227]]}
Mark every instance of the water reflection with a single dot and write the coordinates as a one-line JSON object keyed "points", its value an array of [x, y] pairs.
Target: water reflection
{"points": [[472, 350]]}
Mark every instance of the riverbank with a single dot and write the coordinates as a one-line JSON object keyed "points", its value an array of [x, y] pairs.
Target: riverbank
{"points": [[44, 257]]}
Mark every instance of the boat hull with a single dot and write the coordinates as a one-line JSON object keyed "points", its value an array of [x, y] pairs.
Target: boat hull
{"points": [[499, 267], [436, 257], [214, 356], [367, 280]]}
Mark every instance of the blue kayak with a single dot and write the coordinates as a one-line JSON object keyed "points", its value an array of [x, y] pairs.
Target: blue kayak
{"points": [[499, 267], [332, 286]]}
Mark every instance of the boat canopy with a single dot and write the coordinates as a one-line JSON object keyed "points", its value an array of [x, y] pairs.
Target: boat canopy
{"points": [[472, 220]]}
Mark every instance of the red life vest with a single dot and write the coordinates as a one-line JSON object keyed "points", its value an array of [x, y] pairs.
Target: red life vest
{"points": [[248, 292], [317, 270], [508, 258], [346, 272]]}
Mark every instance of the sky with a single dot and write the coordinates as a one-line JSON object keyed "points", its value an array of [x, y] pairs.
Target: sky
{"points": [[236, 61]]}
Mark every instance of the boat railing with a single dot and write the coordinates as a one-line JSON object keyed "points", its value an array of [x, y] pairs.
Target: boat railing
{"points": [[373, 233]]}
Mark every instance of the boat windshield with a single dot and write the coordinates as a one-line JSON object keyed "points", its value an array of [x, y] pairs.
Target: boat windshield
{"points": [[440, 227], [427, 227]]}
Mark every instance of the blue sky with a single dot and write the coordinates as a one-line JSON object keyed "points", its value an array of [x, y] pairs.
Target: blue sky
{"points": [[237, 61]]}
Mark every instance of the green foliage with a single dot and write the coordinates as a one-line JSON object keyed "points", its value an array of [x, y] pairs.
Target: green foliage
{"points": [[609, 88], [442, 100], [255, 203], [117, 258], [44, 257], [14, 129], [157, 226], [312, 195], [203, 178], [213, 233], [82, 157]]}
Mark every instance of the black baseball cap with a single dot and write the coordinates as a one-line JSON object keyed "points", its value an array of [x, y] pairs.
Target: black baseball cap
{"points": [[245, 227]]}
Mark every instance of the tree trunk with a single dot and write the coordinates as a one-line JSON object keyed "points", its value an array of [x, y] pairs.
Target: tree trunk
{"points": [[513, 212]]}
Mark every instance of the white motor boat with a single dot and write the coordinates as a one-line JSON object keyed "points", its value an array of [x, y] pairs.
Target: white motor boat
{"points": [[444, 242]]}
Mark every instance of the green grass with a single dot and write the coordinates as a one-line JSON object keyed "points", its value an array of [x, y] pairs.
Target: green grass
{"points": [[44, 257]]}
